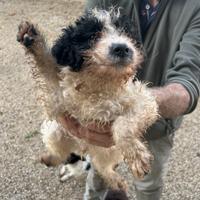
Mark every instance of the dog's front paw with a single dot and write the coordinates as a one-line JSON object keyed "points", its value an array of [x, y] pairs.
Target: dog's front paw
{"points": [[26, 33], [141, 166], [139, 160], [64, 175]]}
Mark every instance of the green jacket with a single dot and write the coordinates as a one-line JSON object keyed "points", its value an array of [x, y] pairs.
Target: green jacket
{"points": [[172, 48]]}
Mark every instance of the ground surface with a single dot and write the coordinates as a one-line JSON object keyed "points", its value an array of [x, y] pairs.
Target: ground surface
{"points": [[21, 177]]}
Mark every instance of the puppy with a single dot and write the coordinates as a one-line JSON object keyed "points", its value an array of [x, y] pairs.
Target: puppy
{"points": [[89, 74]]}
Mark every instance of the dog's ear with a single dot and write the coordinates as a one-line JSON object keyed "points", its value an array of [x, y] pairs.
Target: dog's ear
{"points": [[66, 52], [128, 26], [76, 39]]}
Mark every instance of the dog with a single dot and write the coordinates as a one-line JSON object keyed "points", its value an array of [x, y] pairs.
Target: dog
{"points": [[88, 74]]}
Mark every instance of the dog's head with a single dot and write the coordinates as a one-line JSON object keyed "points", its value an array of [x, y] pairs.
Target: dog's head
{"points": [[100, 42]]}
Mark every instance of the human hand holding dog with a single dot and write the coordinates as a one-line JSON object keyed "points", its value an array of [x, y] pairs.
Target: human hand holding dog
{"points": [[99, 136]]}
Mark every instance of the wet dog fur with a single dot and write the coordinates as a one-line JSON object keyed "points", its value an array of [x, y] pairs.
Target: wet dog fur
{"points": [[89, 73]]}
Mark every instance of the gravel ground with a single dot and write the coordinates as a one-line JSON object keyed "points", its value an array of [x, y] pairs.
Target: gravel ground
{"points": [[21, 176]]}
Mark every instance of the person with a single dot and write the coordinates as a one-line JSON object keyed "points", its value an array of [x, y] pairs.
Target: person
{"points": [[170, 32]]}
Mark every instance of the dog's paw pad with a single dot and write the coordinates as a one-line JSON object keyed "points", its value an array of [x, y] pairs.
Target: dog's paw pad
{"points": [[26, 33]]}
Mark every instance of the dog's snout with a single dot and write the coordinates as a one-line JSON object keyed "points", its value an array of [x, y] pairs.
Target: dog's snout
{"points": [[120, 50]]}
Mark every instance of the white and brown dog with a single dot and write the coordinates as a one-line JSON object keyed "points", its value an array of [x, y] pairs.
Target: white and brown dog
{"points": [[89, 74]]}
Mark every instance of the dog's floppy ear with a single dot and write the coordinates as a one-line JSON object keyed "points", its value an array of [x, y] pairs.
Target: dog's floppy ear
{"points": [[68, 49], [66, 52]]}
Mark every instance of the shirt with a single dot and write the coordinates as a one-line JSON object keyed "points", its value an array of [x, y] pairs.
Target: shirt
{"points": [[147, 14]]}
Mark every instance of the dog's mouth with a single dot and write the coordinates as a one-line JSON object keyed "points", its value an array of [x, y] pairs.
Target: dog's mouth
{"points": [[110, 62], [121, 62]]}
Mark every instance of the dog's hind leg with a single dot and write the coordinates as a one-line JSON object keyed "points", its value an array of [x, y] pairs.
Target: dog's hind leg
{"points": [[129, 130], [45, 72], [128, 138], [112, 178], [105, 163], [58, 143]]}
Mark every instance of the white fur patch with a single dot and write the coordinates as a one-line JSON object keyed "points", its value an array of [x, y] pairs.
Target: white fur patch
{"points": [[75, 170], [47, 128]]}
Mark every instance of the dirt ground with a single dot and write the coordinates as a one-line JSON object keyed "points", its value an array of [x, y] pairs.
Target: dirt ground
{"points": [[21, 177]]}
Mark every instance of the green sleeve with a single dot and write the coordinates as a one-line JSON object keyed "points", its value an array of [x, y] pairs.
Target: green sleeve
{"points": [[186, 62]]}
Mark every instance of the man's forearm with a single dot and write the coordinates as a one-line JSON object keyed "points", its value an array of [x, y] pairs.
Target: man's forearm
{"points": [[173, 100]]}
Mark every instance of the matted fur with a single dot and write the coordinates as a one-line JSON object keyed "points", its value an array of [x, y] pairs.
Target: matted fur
{"points": [[97, 90]]}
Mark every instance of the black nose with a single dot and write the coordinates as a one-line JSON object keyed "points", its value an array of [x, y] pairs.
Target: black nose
{"points": [[120, 50]]}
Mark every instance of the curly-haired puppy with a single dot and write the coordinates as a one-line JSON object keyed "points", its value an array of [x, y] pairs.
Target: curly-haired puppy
{"points": [[89, 74]]}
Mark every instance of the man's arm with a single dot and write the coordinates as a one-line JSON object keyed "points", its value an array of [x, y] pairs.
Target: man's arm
{"points": [[182, 79], [173, 100]]}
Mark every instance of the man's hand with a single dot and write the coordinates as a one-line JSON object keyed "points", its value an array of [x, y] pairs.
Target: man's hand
{"points": [[99, 136]]}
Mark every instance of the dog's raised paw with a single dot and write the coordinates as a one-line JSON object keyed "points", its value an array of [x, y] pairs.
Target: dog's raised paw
{"points": [[26, 33]]}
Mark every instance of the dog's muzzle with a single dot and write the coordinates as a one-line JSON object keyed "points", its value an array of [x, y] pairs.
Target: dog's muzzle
{"points": [[120, 54]]}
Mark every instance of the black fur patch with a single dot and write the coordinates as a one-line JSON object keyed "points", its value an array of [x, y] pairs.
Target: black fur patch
{"points": [[68, 49], [73, 158], [129, 27]]}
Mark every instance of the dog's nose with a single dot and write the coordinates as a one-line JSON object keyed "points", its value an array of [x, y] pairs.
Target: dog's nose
{"points": [[120, 50]]}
